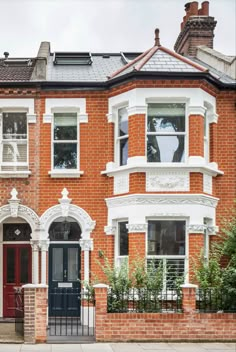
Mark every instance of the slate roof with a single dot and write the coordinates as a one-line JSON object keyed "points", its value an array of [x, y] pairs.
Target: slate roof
{"points": [[14, 73], [101, 67], [159, 59]]}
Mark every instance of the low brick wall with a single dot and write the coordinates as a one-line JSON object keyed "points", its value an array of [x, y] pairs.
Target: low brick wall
{"points": [[187, 326]]}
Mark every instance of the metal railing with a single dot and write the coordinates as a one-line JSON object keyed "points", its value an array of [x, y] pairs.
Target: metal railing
{"points": [[141, 300], [19, 311], [216, 300], [72, 312]]}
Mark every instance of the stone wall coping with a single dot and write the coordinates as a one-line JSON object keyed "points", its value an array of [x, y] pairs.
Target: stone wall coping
{"points": [[35, 286], [189, 286], [100, 286]]}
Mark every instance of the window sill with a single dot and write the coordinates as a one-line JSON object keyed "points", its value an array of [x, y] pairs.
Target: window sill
{"points": [[65, 173], [210, 168], [14, 174]]}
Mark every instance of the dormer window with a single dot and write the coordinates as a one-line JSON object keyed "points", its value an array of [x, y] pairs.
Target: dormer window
{"points": [[72, 58]]}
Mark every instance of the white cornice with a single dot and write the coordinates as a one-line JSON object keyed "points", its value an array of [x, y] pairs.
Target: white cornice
{"points": [[31, 118], [47, 118], [137, 110], [196, 110], [156, 199], [212, 118], [136, 228]]}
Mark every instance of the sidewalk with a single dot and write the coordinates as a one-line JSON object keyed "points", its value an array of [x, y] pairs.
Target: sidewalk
{"points": [[122, 347]]}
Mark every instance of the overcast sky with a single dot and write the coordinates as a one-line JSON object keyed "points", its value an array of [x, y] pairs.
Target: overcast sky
{"points": [[103, 25]]}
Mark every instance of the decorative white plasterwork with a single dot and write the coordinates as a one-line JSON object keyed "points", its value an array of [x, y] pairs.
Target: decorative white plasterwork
{"points": [[137, 110], [14, 203], [135, 228], [168, 215], [111, 118], [34, 245], [86, 245], [65, 202], [212, 230], [31, 118], [53, 105], [110, 230], [167, 181], [44, 245], [207, 183], [196, 228], [196, 110], [212, 117], [147, 199], [19, 105], [121, 183]]}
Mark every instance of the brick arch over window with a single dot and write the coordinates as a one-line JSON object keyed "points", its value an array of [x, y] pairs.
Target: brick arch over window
{"points": [[80, 215], [23, 212]]}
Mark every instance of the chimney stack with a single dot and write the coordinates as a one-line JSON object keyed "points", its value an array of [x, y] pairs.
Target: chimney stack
{"points": [[197, 29]]}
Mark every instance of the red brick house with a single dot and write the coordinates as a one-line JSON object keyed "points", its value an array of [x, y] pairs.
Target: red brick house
{"points": [[117, 154]]}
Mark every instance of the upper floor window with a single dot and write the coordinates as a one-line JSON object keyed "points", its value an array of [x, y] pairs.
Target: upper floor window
{"points": [[122, 136], [14, 142], [65, 141], [166, 132]]}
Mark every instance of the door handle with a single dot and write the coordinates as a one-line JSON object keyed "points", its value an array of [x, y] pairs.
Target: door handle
{"points": [[65, 273]]}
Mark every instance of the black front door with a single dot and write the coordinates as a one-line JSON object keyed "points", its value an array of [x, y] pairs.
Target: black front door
{"points": [[64, 280]]}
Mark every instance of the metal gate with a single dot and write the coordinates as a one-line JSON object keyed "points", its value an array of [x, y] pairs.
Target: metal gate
{"points": [[19, 311], [73, 324]]}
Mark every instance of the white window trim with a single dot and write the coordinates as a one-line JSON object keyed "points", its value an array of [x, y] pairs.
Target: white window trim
{"points": [[118, 258], [166, 257], [17, 105], [57, 105]]}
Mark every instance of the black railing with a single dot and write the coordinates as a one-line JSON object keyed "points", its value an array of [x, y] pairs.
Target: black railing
{"points": [[216, 300], [71, 312], [141, 300], [19, 311]]}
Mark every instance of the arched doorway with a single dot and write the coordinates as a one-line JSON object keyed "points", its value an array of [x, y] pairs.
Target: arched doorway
{"points": [[64, 267]]}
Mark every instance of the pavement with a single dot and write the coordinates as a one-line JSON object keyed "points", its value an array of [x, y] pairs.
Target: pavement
{"points": [[122, 347]]}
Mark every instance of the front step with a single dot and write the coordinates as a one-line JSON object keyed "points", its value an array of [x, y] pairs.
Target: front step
{"points": [[7, 332]]}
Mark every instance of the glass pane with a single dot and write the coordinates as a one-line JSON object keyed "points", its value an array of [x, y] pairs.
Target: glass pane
{"points": [[14, 152], [14, 125], [123, 151], [57, 264], [11, 265], [166, 118], [16, 232], [166, 238], [64, 231], [24, 261], [65, 155], [65, 126], [123, 239], [73, 265], [123, 121], [165, 148]]}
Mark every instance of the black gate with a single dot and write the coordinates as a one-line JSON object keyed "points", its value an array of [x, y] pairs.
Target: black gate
{"points": [[19, 311], [71, 325]]}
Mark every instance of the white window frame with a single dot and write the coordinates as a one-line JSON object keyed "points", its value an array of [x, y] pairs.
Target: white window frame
{"points": [[65, 105], [166, 257], [15, 106], [117, 137], [119, 258], [206, 138], [64, 141], [185, 134]]}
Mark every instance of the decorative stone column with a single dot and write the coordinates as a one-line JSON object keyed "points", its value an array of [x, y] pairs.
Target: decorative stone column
{"points": [[35, 261], [86, 246], [44, 244]]}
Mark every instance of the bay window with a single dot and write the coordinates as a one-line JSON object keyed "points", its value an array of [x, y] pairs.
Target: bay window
{"points": [[122, 136], [166, 132], [166, 247], [14, 142], [65, 141]]}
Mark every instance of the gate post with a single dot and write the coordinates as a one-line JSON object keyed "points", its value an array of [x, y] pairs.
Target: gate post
{"points": [[35, 307], [189, 298], [101, 310]]}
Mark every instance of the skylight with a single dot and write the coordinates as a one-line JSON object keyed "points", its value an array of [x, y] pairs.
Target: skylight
{"points": [[72, 58]]}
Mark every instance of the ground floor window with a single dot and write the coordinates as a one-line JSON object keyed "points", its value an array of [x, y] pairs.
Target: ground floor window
{"points": [[166, 248], [122, 243]]}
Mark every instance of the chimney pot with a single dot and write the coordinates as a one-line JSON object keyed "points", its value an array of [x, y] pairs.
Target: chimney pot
{"points": [[157, 39], [6, 54], [205, 8], [193, 8]]}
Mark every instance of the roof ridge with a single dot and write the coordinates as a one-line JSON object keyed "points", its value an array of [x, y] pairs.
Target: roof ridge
{"points": [[182, 58], [128, 65], [148, 56]]}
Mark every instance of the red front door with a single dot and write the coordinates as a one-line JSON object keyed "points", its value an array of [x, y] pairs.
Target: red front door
{"points": [[17, 271]]}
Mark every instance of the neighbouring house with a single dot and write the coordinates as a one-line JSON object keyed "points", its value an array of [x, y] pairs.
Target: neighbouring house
{"points": [[117, 154]]}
